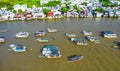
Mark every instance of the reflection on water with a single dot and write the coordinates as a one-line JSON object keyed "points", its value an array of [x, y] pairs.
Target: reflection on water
{"points": [[29, 60]]}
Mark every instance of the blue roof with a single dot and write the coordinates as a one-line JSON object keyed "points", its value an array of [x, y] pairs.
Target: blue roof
{"points": [[108, 32], [53, 49], [19, 47]]}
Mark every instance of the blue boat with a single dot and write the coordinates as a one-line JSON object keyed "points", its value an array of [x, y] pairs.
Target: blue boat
{"points": [[51, 51], [108, 34], [18, 48]]}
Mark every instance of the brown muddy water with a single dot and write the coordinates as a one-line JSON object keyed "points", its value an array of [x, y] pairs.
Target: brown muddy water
{"points": [[97, 57]]}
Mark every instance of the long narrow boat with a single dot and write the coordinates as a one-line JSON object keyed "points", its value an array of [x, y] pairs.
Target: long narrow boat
{"points": [[42, 39], [70, 35], [74, 58]]}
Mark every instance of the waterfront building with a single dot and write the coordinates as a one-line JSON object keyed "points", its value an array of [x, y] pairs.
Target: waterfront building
{"points": [[18, 6]]}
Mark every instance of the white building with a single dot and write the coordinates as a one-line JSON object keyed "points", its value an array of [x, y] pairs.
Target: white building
{"points": [[18, 6]]}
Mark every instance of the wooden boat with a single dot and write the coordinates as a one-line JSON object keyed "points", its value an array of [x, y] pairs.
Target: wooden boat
{"points": [[3, 31]]}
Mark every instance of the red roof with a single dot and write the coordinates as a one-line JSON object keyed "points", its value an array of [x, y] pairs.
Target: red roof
{"points": [[50, 14]]}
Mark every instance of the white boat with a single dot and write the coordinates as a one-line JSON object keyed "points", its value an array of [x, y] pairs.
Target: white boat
{"points": [[2, 39], [51, 30], [22, 35], [70, 35], [51, 51], [86, 33], [39, 33], [18, 48], [79, 41], [42, 39], [109, 34], [93, 39]]}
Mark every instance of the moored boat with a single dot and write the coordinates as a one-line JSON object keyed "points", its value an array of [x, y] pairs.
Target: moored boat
{"points": [[108, 34], [2, 39], [79, 41], [74, 58], [39, 33], [70, 35], [86, 33], [18, 48], [51, 51], [51, 30], [93, 39], [22, 35], [42, 39]]}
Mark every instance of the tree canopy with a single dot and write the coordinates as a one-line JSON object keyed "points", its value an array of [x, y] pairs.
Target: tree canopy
{"points": [[45, 10], [20, 11]]}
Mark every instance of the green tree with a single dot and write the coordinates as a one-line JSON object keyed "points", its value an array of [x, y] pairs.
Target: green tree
{"points": [[45, 10], [20, 11], [104, 0], [99, 10], [53, 3], [64, 9], [77, 8], [85, 3], [14, 11]]}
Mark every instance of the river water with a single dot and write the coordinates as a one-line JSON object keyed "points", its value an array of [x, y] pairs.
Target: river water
{"points": [[97, 57]]}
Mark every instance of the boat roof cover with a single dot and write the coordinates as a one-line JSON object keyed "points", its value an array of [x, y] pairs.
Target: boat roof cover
{"points": [[108, 32], [19, 47], [51, 47]]}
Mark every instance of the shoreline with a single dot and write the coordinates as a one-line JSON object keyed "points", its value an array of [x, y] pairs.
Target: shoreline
{"points": [[55, 18]]}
